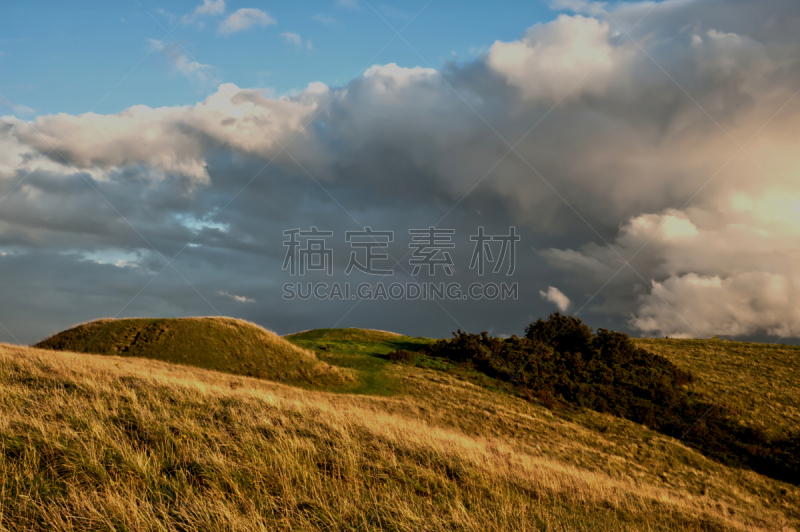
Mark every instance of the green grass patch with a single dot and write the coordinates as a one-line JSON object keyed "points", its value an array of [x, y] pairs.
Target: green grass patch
{"points": [[362, 350]]}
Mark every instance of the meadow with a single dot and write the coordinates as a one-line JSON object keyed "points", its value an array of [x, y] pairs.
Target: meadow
{"points": [[130, 442]]}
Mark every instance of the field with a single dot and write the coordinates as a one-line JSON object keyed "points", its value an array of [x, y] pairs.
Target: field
{"points": [[759, 383], [116, 442]]}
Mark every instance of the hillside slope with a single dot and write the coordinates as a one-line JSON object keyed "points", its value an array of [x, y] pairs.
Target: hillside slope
{"points": [[361, 350], [758, 383], [125, 443], [220, 344]]}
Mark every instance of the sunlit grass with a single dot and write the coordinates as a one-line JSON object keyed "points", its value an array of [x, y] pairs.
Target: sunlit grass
{"points": [[123, 443]]}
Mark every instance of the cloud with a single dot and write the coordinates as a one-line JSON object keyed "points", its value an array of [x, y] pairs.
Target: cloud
{"points": [[211, 7], [238, 299], [295, 40], [16, 109], [245, 18], [195, 71], [173, 141], [207, 8], [585, 7], [569, 53], [625, 187], [292, 38], [554, 295]]}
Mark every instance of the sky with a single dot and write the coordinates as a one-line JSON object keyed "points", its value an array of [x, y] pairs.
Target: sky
{"points": [[155, 158]]}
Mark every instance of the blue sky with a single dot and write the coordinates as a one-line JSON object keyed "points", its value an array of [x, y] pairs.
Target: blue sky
{"points": [[66, 56]]}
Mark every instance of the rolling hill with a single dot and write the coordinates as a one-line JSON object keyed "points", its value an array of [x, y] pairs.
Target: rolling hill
{"points": [[220, 344], [124, 442]]}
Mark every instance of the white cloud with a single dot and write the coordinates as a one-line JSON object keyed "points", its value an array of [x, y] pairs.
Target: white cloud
{"points": [[746, 303], [238, 299], [174, 140], [597, 9], [292, 38], [245, 18], [190, 68], [211, 7], [207, 8], [555, 296], [568, 53]]}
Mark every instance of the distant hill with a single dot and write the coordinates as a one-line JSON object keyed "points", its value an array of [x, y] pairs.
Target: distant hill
{"points": [[220, 344]]}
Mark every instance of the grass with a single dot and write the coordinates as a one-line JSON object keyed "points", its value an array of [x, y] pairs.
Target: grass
{"points": [[220, 344], [130, 443], [758, 383], [360, 350], [119, 443]]}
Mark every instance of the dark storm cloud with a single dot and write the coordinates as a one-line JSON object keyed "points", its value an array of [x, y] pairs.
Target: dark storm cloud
{"points": [[634, 154]]}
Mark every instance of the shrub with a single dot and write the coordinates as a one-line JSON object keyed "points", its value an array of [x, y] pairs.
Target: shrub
{"points": [[561, 363], [401, 355]]}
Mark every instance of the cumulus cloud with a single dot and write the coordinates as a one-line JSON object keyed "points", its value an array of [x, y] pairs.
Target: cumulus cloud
{"points": [[555, 296], [243, 19], [553, 58], [634, 194], [173, 140]]}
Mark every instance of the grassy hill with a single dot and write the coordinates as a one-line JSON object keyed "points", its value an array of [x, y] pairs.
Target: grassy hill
{"points": [[361, 350], [758, 383], [220, 344], [128, 443]]}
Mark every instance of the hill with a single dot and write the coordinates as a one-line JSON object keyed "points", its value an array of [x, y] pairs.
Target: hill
{"points": [[220, 344], [127, 443], [360, 350], [124, 442], [759, 383]]}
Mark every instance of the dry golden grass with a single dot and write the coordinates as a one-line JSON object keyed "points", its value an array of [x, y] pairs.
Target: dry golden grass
{"points": [[120, 443], [218, 343], [758, 383]]}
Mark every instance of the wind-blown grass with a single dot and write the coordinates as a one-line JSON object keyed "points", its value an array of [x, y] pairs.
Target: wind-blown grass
{"points": [[125, 443]]}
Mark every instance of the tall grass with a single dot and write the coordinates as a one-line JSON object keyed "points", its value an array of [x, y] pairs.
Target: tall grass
{"points": [[120, 443]]}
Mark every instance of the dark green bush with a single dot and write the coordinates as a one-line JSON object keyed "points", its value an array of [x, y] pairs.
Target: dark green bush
{"points": [[561, 363], [401, 355]]}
